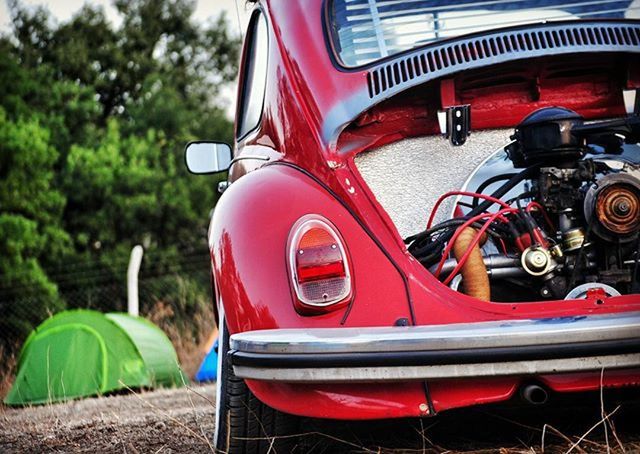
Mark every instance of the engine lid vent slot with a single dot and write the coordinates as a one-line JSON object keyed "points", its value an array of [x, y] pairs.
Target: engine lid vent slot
{"points": [[507, 45]]}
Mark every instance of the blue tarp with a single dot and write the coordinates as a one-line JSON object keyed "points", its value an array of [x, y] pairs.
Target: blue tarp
{"points": [[209, 367]]}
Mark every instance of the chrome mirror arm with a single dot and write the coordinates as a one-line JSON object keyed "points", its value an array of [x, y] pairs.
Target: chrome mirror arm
{"points": [[242, 158], [223, 185]]}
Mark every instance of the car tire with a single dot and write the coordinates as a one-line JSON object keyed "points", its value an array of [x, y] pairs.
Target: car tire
{"points": [[243, 423]]}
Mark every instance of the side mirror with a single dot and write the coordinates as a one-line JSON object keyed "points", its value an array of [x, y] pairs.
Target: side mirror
{"points": [[207, 157]]}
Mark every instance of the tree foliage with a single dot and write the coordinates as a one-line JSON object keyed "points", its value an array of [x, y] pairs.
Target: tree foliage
{"points": [[93, 121], [30, 232]]}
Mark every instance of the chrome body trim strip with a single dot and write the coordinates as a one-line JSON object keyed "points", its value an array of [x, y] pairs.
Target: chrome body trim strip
{"points": [[496, 334], [409, 373]]}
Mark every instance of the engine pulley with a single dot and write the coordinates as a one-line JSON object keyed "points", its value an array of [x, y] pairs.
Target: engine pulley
{"points": [[582, 291], [617, 208], [614, 206]]}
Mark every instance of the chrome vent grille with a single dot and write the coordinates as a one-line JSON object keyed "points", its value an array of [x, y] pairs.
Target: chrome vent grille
{"points": [[466, 53]]}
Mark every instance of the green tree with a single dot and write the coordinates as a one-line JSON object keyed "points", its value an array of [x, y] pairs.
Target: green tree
{"points": [[107, 111], [158, 50], [67, 109], [30, 231]]}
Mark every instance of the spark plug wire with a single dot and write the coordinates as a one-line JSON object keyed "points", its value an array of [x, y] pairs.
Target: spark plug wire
{"points": [[493, 216], [465, 257], [465, 193]]}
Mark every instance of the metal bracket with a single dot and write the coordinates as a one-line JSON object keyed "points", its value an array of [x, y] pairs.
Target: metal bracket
{"points": [[632, 101], [455, 123], [222, 186]]}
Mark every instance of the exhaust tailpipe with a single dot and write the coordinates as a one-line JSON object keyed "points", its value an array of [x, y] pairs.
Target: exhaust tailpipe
{"points": [[535, 394]]}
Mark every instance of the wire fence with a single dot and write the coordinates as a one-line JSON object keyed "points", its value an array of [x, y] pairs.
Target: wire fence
{"points": [[174, 292]]}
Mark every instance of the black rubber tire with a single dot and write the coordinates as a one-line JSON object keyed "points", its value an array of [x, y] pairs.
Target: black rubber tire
{"points": [[246, 425]]}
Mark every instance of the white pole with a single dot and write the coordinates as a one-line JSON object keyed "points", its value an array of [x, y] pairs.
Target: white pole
{"points": [[132, 280]]}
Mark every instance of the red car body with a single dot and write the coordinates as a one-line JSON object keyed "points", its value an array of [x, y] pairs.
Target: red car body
{"points": [[316, 117]]}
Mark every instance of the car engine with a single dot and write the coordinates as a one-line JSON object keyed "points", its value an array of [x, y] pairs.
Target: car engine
{"points": [[562, 222]]}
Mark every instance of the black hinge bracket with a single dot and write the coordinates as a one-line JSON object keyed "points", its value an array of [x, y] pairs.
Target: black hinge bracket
{"points": [[455, 123], [458, 124]]}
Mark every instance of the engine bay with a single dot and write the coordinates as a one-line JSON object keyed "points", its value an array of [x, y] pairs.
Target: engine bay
{"points": [[554, 214]]}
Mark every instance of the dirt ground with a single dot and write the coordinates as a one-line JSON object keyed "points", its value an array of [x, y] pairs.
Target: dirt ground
{"points": [[170, 420], [182, 421]]}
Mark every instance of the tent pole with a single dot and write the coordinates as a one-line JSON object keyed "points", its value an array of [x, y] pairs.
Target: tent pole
{"points": [[132, 280]]}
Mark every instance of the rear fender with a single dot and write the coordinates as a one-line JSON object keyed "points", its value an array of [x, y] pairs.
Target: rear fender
{"points": [[248, 239]]}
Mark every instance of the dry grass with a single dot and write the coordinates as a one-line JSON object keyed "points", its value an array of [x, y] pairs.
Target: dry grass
{"points": [[181, 420], [8, 362], [188, 339], [484, 430], [166, 420]]}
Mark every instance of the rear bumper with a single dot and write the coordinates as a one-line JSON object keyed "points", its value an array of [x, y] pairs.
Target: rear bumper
{"points": [[486, 349]]}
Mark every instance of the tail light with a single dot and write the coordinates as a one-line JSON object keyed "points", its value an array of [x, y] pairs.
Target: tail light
{"points": [[319, 266]]}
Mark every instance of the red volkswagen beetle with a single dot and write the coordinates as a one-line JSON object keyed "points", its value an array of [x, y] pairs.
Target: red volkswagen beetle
{"points": [[429, 205]]}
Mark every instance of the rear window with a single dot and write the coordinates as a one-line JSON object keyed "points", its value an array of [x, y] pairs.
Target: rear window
{"points": [[255, 76], [363, 31]]}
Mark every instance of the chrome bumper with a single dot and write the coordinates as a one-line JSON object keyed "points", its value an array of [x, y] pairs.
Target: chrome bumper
{"points": [[517, 347]]}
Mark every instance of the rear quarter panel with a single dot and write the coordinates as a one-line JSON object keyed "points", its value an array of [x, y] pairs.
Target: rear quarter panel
{"points": [[248, 238]]}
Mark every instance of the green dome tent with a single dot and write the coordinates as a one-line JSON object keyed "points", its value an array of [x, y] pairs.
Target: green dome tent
{"points": [[82, 353]]}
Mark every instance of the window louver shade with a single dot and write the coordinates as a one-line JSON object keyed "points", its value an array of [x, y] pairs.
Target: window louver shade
{"points": [[367, 30]]}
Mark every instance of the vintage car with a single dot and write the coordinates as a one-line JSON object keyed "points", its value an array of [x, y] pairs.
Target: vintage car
{"points": [[429, 205]]}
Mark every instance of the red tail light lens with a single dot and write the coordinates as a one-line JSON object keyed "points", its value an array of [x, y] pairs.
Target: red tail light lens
{"points": [[318, 261]]}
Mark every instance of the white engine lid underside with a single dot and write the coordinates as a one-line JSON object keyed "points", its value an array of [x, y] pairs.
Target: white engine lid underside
{"points": [[408, 176]]}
